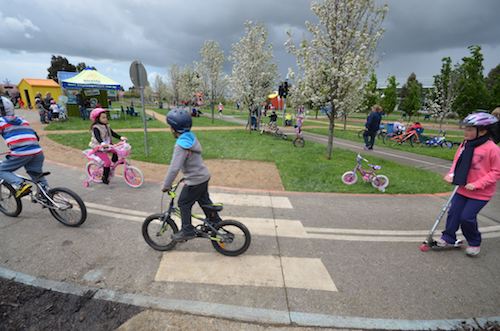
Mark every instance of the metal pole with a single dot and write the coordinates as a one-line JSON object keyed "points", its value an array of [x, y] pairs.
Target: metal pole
{"points": [[146, 149]]}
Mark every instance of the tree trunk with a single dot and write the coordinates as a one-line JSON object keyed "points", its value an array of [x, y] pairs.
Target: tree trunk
{"points": [[317, 111], [212, 108], [345, 121], [212, 104], [329, 148]]}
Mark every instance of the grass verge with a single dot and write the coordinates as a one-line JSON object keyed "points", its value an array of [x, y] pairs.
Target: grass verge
{"points": [[301, 169]]}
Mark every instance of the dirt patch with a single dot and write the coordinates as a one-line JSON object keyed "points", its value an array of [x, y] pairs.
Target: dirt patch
{"points": [[227, 173], [24, 307]]}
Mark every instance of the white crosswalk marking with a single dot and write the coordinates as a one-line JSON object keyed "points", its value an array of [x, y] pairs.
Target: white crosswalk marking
{"points": [[249, 270], [252, 200]]}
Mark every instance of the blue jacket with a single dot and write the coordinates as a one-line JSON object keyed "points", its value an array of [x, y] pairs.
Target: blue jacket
{"points": [[373, 121]]}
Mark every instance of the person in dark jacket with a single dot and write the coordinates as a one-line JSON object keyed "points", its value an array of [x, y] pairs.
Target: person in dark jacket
{"points": [[372, 126]]}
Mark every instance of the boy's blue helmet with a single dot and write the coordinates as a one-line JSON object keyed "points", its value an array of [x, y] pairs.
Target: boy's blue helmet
{"points": [[180, 120]]}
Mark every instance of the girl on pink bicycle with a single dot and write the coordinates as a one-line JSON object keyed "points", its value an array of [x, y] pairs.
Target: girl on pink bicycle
{"points": [[102, 137]]}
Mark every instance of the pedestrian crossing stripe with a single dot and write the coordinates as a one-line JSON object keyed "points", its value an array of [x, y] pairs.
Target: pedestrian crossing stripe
{"points": [[245, 270], [252, 200]]}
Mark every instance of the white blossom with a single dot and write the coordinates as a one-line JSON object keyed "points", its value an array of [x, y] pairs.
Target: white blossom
{"points": [[335, 62]]}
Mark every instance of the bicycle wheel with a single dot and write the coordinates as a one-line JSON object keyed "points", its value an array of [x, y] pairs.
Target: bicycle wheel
{"points": [[69, 208], [380, 182], [284, 136], [9, 204], [133, 176], [349, 178], [232, 238], [94, 171], [447, 144], [157, 233], [299, 142]]}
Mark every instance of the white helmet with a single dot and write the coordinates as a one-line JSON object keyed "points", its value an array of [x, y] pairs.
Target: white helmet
{"points": [[6, 107]]}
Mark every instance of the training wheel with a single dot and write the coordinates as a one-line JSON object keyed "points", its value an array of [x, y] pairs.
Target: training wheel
{"points": [[424, 247]]}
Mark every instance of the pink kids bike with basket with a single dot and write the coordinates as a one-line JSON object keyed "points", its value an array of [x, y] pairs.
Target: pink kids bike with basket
{"points": [[94, 168], [379, 182]]}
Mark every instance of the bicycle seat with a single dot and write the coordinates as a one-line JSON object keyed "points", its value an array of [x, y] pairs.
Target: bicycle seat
{"points": [[213, 207]]}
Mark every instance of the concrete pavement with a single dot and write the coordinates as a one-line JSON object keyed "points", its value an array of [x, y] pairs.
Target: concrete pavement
{"points": [[365, 247]]}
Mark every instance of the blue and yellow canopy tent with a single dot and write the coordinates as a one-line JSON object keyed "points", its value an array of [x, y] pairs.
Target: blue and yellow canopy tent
{"points": [[88, 80]]}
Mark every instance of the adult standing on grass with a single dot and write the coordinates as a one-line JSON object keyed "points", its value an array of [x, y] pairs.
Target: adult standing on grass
{"points": [[372, 125]]}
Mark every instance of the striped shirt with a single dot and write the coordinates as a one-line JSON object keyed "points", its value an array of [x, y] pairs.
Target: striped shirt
{"points": [[20, 138]]}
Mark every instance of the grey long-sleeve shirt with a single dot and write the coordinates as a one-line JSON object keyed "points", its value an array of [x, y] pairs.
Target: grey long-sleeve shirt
{"points": [[187, 158]]}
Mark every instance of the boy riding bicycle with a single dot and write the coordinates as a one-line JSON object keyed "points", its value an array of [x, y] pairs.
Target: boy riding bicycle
{"points": [[24, 149], [187, 158]]}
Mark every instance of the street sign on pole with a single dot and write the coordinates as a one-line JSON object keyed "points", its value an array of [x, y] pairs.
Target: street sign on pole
{"points": [[139, 78]]}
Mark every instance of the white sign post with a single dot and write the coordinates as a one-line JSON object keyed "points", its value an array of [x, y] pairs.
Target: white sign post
{"points": [[139, 78]]}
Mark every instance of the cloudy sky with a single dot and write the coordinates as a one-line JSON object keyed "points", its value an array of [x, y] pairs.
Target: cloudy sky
{"points": [[110, 34]]}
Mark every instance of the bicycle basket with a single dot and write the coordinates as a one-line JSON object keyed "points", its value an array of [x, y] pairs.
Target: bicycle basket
{"points": [[123, 150]]}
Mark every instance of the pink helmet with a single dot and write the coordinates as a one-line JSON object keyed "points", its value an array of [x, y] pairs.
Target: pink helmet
{"points": [[94, 114], [480, 119]]}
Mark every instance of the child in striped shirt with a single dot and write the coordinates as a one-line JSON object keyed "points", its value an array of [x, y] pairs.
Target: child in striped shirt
{"points": [[24, 149]]}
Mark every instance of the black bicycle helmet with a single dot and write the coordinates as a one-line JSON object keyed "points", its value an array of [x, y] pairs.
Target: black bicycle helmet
{"points": [[180, 120]]}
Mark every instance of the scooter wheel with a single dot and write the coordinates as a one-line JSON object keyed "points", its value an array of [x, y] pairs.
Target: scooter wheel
{"points": [[424, 247]]}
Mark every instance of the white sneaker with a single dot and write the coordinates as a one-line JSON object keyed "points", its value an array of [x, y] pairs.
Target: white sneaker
{"points": [[442, 243], [472, 250]]}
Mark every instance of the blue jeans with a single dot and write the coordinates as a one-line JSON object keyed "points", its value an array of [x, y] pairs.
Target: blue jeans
{"points": [[371, 135], [32, 163], [463, 213]]}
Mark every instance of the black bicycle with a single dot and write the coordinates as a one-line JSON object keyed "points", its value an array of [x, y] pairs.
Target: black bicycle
{"points": [[63, 204], [228, 237], [380, 134]]}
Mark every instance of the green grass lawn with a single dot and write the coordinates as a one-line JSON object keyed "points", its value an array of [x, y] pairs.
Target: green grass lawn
{"points": [[301, 169], [205, 120], [442, 153], [128, 122]]}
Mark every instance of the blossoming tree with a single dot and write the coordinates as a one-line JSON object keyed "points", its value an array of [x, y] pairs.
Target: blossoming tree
{"points": [[254, 71], [210, 70], [335, 62]]}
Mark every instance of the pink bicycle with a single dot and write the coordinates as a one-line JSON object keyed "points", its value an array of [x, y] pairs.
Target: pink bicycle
{"points": [[379, 182], [94, 168]]}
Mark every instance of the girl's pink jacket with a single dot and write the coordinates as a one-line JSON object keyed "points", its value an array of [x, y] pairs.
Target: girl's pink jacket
{"points": [[484, 171]]}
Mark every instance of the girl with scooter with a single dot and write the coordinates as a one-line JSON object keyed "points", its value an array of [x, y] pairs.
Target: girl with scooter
{"points": [[475, 170]]}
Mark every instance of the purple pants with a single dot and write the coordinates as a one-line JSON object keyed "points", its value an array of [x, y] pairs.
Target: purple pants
{"points": [[463, 213]]}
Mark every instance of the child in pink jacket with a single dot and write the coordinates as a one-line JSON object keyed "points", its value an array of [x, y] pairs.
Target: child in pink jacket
{"points": [[476, 170]]}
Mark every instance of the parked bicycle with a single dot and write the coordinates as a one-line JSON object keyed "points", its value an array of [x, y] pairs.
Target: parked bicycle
{"points": [[439, 141], [274, 130], [63, 204], [379, 182], [411, 137], [228, 237], [381, 133], [94, 168]]}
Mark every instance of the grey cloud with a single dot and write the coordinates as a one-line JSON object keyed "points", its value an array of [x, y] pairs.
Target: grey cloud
{"points": [[162, 33]]}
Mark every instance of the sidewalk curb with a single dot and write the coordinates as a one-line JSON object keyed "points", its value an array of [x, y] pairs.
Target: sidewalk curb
{"points": [[241, 313]]}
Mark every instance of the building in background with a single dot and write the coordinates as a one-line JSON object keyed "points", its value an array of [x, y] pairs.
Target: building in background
{"points": [[29, 87]]}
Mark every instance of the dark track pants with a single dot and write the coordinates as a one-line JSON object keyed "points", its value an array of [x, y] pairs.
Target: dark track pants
{"points": [[189, 195], [463, 213]]}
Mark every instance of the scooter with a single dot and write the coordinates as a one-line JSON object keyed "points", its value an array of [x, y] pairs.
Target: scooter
{"points": [[430, 243]]}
